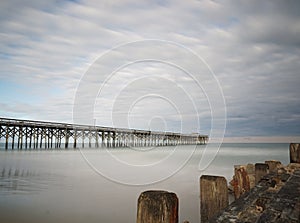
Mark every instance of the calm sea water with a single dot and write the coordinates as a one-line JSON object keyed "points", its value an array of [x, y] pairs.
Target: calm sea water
{"points": [[104, 185]]}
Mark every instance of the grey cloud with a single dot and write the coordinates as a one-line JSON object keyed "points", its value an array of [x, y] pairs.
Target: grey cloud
{"points": [[252, 47]]}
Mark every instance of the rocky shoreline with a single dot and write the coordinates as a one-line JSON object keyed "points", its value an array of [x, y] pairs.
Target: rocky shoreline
{"points": [[263, 192], [276, 198]]}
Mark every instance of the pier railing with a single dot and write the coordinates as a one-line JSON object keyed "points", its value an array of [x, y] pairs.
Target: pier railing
{"points": [[23, 134]]}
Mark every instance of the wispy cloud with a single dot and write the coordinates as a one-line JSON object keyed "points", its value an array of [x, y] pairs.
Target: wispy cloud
{"points": [[253, 48]]}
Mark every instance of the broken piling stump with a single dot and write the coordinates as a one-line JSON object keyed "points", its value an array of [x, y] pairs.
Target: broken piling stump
{"points": [[273, 165], [213, 196], [241, 181], [157, 207], [250, 168], [261, 169], [295, 153]]}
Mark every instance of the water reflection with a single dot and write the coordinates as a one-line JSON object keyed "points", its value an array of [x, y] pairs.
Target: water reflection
{"points": [[59, 186], [22, 181]]}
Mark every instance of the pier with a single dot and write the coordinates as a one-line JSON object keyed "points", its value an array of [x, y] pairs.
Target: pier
{"points": [[28, 134]]}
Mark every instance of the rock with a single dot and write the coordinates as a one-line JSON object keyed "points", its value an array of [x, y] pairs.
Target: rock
{"points": [[276, 199]]}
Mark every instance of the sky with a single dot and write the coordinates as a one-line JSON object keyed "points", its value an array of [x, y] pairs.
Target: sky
{"points": [[215, 67]]}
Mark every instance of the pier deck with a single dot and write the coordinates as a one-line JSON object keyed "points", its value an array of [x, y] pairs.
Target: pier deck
{"points": [[27, 134]]}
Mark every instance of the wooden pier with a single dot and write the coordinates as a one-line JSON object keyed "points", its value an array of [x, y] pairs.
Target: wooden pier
{"points": [[27, 134]]}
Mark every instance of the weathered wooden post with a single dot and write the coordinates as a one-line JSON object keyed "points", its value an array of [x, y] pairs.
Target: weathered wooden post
{"points": [[82, 135], [213, 196], [97, 139], [157, 207], [273, 165], [75, 139], [241, 181], [261, 169], [102, 139], [6, 137], [295, 153], [90, 138], [114, 139], [66, 138], [250, 168], [13, 138]]}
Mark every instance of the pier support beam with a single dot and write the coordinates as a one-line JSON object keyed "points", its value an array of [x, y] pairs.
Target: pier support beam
{"points": [[75, 139], [6, 137], [157, 207], [97, 139], [213, 196], [13, 138]]}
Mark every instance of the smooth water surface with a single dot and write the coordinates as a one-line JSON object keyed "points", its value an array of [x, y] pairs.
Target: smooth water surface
{"points": [[64, 186]]}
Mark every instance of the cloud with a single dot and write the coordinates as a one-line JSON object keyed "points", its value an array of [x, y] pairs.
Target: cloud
{"points": [[252, 47]]}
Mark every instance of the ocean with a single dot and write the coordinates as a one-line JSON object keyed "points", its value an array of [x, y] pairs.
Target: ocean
{"points": [[103, 185]]}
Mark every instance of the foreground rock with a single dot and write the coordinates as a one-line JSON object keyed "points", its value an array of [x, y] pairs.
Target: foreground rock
{"points": [[276, 198]]}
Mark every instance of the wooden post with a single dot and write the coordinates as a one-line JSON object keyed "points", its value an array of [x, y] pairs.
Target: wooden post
{"points": [[66, 139], [30, 137], [157, 207], [6, 137], [213, 196], [90, 138], [75, 139], [113, 139], [241, 181], [26, 136], [261, 169], [295, 153], [273, 165], [47, 138], [250, 168], [97, 138], [103, 139], [82, 145], [108, 140], [13, 138], [55, 134], [21, 133], [41, 142], [35, 138], [52, 133]]}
